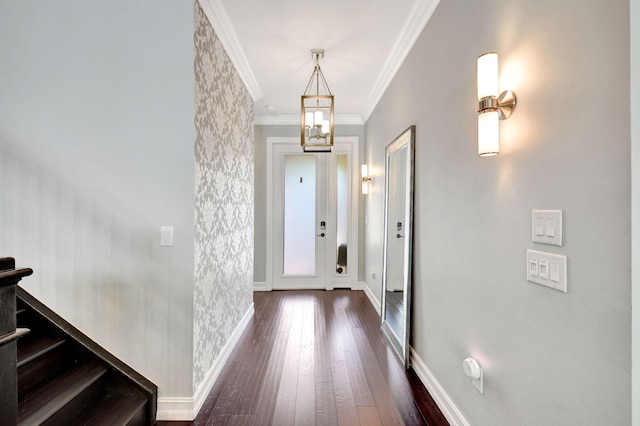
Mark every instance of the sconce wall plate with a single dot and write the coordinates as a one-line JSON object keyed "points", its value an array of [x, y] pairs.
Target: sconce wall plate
{"points": [[504, 104]]}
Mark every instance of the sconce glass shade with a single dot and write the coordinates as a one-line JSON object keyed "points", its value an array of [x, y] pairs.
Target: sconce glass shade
{"points": [[488, 75], [488, 134], [491, 106]]}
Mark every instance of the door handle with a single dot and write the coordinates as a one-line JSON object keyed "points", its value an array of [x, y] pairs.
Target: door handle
{"points": [[399, 236], [320, 235]]}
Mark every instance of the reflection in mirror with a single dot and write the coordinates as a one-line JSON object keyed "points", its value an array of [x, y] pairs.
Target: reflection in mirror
{"points": [[342, 206], [396, 278]]}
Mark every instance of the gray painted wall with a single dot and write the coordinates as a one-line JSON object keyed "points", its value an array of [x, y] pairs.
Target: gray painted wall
{"points": [[635, 167], [260, 152], [549, 358], [96, 153]]}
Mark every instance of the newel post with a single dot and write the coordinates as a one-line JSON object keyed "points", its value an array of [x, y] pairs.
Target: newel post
{"points": [[9, 278]]}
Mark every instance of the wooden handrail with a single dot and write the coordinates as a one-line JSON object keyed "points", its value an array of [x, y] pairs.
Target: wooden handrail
{"points": [[8, 278], [9, 275]]}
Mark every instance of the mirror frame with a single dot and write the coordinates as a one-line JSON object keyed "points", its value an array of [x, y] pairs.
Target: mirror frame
{"points": [[400, 343]]}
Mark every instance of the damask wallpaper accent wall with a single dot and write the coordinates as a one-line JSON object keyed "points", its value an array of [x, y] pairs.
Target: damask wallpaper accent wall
{"points": [[223, 198]]}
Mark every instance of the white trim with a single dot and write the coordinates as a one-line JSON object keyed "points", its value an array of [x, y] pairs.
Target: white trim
{"points": [[357, 285], [354, 208], [260, 286], [188, 408], [635, 210], [210, 378], [175, 409], [372, 297], [442, 400], [222, 25], [289, 120], [269, 245], [418, 18], [219, 19]]}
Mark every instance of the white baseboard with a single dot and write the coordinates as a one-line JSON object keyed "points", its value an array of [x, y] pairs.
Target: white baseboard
{"points": [[175, 409], [263, 286], [372, 297], [260, 286], [444, 402], [187, 408]]}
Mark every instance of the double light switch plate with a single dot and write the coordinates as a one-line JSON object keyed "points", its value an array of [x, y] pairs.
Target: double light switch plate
{"points": [[546, 227]]}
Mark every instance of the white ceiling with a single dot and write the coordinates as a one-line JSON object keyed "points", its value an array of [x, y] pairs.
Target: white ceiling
{"points": [[270, 42]]}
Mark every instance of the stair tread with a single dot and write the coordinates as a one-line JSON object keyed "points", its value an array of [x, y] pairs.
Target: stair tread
{"points": [[31, 347], [113, 410], [41, 403]]}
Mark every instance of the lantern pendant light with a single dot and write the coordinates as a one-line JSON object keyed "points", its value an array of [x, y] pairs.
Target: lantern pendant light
{"points": [[316, 113]]}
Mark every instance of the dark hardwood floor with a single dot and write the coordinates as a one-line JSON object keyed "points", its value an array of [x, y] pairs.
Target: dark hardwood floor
{"points": [[315, 357]]}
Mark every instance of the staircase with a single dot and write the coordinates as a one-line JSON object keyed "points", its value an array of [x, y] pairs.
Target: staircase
{"points": [[64, 378]]}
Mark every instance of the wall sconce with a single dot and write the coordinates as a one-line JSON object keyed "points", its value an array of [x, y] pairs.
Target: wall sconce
{"points": [[491, 107], [366, 179]]}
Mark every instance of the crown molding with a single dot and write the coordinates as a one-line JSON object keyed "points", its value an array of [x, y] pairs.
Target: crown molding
{"points": [[219, 19], [288, 120], [418, 18]]}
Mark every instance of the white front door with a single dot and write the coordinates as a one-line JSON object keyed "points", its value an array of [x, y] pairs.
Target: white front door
{"points": [[312, 222]]}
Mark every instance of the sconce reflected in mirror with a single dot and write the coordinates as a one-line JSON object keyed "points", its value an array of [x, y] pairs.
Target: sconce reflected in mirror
{"points": [[491, 106], [366, 179]]}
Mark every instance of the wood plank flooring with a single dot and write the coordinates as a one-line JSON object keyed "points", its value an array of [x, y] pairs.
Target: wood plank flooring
{"points": [[315, 358]]}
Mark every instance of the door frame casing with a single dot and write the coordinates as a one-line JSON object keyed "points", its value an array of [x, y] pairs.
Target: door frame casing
{"points": [[352, 253]]}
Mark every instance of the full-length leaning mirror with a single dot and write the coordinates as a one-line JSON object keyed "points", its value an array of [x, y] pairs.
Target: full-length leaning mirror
{"points": [[398, 224]]}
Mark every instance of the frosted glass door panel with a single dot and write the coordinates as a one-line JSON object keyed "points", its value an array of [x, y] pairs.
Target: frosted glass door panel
{"points": [[299, 215]]}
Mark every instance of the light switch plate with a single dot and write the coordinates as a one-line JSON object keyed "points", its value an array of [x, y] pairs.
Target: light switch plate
{"points": [[166, 236], [547, 269], [546, 227]]}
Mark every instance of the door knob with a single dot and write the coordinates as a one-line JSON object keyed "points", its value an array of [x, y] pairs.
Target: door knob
{"points": [[399, 236], [320, 235]]}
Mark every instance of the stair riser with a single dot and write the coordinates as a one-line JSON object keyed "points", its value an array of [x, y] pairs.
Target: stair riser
{"points": [[42, 369]]}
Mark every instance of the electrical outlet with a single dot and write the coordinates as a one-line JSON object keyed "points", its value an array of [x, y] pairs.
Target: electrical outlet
{"points": [[475, 372]]}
